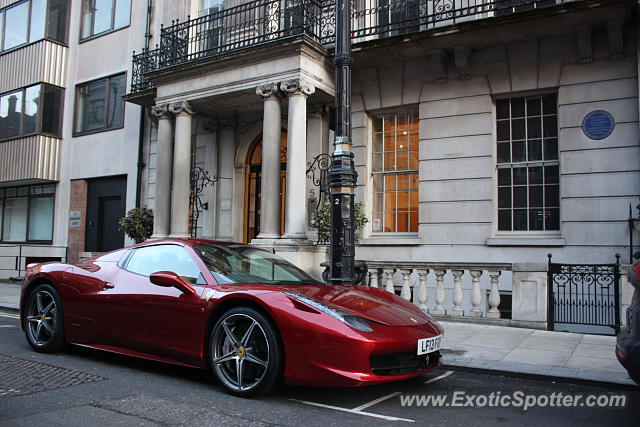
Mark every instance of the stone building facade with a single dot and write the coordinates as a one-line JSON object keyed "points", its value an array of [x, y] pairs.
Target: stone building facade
{"points": [[486, 134], [485, 137]]}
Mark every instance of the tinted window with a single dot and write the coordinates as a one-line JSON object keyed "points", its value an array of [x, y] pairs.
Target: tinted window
{"points": [[234, 263], [150, 259]]}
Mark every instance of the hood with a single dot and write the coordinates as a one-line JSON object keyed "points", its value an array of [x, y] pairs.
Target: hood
{"points": [[371, 303]]}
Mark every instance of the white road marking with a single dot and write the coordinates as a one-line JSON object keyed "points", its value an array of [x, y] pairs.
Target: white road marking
{"points": [[11, 316], [439, 377], [353, 411], [378, 400], [7, 326]]}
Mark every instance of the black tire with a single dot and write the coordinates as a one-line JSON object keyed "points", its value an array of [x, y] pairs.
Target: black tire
{"points": [[635, 377], [246, 342], [43, 320]]}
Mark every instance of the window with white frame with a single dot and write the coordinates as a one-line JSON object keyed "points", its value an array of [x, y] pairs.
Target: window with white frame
{"points": [[527, 163], [26, 213], [395, 172], [102, 16]]}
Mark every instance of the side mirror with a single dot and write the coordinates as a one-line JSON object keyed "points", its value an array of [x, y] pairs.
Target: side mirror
{"points": [[169, 279]]}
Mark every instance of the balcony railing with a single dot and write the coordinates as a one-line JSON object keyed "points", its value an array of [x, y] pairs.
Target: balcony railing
{"points": [[260, 21]]}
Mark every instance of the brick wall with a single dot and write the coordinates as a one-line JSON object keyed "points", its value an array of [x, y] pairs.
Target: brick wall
{"points": [[77, 202]]}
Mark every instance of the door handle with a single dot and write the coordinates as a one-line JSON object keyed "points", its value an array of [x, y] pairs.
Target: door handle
{"points": [[108, 285]]}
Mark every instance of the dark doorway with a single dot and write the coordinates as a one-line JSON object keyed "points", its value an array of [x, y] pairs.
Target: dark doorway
{"points": [[106, 199]]}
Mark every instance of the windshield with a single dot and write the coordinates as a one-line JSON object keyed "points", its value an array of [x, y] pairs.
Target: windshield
{"points": [[236, 263]]}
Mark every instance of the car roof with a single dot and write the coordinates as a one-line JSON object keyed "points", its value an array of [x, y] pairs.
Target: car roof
{"points": [[189, 241]]}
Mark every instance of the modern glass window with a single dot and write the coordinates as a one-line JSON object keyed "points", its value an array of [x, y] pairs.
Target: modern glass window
{"points": [[395, 172], [33, 20], [26, 213], [31, 110], [101, 16], [99, 104], [527, 163]]}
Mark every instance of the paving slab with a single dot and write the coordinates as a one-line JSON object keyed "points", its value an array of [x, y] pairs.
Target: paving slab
{"points": [[535, 352], [537, 356], [537, 342]]}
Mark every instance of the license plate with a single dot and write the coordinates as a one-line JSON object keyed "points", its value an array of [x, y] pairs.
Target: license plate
{"points": [[428, 345]]}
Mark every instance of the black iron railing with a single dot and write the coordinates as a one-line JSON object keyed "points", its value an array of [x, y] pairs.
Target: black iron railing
{"points": [[261, 21], [584, 294]]}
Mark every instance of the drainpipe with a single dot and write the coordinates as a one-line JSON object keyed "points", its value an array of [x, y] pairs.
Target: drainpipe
{"points": [[147, 34], [139, 163], [143, 111]]}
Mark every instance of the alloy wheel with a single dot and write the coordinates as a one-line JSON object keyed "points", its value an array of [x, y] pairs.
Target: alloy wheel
{"points": [[240, 352], [42, 318]]}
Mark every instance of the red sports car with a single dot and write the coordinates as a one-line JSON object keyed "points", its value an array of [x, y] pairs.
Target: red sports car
{"points": [[251, 317]]}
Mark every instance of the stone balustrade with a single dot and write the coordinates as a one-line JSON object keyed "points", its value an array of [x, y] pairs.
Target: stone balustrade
{"points": [[445, 289]]}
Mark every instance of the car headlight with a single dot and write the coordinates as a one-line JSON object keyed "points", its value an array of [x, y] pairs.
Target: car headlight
{"points": [[356, 322]]}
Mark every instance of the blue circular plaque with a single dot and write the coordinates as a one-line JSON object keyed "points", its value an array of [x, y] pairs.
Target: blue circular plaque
{"points": [[598, 124]]}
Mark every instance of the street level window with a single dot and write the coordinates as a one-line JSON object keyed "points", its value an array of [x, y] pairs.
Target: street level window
{"points": [[102, 16], [99, 105], [33, 20], [32, 110], [26, 213], [527, 163], [395, 172]]}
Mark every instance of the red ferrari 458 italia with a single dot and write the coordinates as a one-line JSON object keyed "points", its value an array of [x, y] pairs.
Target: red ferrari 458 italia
{"points": [[247, 315]]}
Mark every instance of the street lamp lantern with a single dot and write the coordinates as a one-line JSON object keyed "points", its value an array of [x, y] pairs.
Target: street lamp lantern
{"points": [[342, 175]]}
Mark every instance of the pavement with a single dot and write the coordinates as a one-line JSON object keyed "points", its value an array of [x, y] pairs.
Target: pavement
{"points": [[519, 351]]}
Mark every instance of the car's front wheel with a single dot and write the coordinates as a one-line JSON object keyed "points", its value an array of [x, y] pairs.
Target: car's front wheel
{"points": [[246, 352], [43, 324]]}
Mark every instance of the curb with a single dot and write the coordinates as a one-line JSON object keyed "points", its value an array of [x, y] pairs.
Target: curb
{"points": [[9, 308], [629, 386]]}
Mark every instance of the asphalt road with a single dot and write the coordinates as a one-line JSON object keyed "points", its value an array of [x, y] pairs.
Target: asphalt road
{"points": [[83, 387]]}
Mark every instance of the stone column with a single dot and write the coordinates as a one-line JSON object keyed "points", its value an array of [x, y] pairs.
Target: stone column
{"points": [[164, 162], [226, 150], [181, 170], [295, 208], [270, 182]]}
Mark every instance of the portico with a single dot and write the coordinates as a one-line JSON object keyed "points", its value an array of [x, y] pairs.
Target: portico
{"points": [[213, 118]]}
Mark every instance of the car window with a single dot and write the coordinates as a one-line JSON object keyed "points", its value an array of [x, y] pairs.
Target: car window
{"points": [[236, 263], [149, 259]]}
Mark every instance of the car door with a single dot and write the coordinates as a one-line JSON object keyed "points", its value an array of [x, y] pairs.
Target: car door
{"points": [[150, 319]]}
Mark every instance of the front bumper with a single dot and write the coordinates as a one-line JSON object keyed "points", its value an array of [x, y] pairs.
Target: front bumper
{"points": [[343, 357]]}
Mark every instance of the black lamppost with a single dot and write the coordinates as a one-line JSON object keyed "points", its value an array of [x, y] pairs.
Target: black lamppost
{"points": [[342, 175]]}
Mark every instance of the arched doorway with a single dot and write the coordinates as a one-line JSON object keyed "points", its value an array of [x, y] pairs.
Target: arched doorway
{"points": [[253, 191]]}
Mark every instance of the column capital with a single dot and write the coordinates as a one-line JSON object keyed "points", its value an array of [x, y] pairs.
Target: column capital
{"points": [[161, 111], [268, 90], [295, 87], [181, 107]]}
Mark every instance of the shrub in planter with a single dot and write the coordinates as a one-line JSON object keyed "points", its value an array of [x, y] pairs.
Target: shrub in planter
{"points": [[138, 224], [322, 220]]}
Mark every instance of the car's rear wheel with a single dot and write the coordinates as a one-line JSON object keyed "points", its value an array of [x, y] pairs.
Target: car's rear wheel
{"points": [[43, 323], [246, 352]]}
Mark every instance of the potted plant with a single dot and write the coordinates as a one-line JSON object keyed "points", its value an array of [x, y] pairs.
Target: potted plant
{"points": [[322, 221], [138, 224]]}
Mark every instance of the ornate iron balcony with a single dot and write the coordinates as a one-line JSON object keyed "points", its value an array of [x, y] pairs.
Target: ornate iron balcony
{"points": [[261, 21]]}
